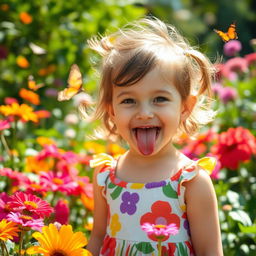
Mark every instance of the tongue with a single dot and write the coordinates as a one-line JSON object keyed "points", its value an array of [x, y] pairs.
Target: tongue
{"points": [[146, 139]]}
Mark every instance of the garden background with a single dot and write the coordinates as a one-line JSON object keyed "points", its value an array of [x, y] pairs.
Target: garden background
{"points": [[45, 148]]}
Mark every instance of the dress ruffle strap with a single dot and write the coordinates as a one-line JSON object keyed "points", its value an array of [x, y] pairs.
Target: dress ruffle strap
{"points": [[190, 172], [106, 161], [102, 159]]}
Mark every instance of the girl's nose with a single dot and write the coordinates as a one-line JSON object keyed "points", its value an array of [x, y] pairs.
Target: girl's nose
{"points": [[145, 112]]}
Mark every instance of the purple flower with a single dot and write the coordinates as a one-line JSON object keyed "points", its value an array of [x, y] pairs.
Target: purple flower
{"points": [[129, 203], [232, 47]]}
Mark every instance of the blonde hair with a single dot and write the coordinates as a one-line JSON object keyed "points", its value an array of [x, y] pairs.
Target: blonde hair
{"points": [[130, 53]]}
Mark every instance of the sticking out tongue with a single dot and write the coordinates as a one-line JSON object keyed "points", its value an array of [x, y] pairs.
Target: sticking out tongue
{"points": [[146, 140]]}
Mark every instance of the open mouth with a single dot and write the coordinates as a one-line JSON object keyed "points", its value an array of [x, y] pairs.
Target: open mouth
{"points": [[146, 137], [156, 129]]}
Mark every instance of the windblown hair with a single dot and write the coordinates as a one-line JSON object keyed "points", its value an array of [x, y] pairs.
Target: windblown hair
{"points": [[130, 53]]}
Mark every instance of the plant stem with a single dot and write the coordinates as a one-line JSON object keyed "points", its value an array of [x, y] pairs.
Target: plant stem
{"points": [[4, 142], [159, 246], [22, 233]]}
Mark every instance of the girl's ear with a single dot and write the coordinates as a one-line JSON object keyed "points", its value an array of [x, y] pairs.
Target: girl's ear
{"points": [[188, 107]]}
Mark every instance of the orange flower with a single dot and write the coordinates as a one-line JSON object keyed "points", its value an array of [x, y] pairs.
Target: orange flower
{"points": [[115, 149], [42, 114], [25, 18], [44, 141], [8, 230], [29, 96], [46, 71], [22, 62], [23, 111], [32, 164], [87, 202]]}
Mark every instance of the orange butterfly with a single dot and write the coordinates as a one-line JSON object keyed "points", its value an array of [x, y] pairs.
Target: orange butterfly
{"points": [[230, 35], [32, 85], [75, 83]]}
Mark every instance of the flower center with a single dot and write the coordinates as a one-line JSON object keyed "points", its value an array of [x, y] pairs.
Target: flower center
{"points": [[57, 181], [58, 253], [32, 204], [26, 217], [159, 226]]}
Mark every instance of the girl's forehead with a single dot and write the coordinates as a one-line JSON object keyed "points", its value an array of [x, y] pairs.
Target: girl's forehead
{"points": [[152, 82]]}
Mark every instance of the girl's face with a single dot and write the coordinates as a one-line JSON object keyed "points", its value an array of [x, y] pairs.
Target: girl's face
{"points": [[147, 114]]}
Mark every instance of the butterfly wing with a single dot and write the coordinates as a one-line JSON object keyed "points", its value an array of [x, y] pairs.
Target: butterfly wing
{"points": [[32, 84], [75, 82], [222, 35], [232, 31]]}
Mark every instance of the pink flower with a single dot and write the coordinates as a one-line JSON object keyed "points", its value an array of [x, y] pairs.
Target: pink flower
{"points": [[57, 181], [61, 210], [49, 151], [160, 231], [234, 66], [26, 221], [232, 47], [29, 203], [227, 94], [4, 209], [17, 178], [10, 100], [251, 58], [4, 124]]}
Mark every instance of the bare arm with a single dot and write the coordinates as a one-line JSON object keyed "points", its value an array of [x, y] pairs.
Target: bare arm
{"points": [[202, 211], [99, 218]]}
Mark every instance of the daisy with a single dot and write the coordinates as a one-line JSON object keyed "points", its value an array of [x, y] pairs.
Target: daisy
{"points": [[26, 221], [8, 230], [21, 201], [62, 242]]}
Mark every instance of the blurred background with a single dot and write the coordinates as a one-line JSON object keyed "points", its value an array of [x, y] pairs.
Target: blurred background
{"points": [[40, 40]]}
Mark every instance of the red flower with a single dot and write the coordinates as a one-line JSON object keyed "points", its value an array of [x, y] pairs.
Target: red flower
{"points": [[160, 214], [234, 146], [109, 246], [251, 58], [61, 210], [30, 204]]}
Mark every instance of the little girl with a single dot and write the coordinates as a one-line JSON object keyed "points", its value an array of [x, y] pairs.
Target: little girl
{"points": [[154, 86]]}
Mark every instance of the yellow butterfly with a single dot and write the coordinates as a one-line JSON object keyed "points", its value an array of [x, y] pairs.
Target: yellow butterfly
{"points": [[75, 83], [32, 85], [229, 35]]}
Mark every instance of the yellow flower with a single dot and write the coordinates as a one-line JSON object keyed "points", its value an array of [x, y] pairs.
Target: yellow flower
{"points": [[115, 225], [29, 96], [62, 242], [23, 111], [8, 230], [115, 150], [94, 147], [22, 62]]}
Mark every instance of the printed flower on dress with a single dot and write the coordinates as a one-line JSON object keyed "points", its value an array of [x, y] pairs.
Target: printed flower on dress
{"points": [[161, 214], [115, 225], [129, 203], [109, 246]]}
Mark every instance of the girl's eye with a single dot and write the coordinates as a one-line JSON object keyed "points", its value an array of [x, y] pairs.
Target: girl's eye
{"points": [[160, 99], [127, 101]]}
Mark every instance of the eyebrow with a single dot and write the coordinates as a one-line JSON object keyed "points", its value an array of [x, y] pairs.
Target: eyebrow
{"points": [[155, 92]]}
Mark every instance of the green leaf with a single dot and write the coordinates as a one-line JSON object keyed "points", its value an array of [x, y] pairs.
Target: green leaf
{"points": [[169, 191], [111, 185], [117, 191], [247, 229], [240, 216], [145, 247], [182, 249]]}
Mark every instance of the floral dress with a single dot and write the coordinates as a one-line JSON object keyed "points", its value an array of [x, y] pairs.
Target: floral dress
{"points": [[133, 204]]}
